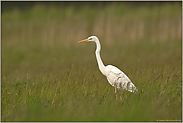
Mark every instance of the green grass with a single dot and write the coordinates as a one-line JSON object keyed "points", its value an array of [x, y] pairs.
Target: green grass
{"points": [[37, 87]]}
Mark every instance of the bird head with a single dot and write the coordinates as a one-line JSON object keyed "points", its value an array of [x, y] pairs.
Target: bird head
{"points": [[89, 39]]}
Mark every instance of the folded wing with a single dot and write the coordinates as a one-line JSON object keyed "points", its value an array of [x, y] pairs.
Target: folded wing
{"points": [[119, 80]]}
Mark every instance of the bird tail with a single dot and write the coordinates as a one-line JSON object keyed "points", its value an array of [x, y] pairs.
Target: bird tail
{"points": [[131, 87]]}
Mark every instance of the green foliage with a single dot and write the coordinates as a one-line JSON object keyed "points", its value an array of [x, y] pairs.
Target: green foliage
{"points": [[48, 77]]}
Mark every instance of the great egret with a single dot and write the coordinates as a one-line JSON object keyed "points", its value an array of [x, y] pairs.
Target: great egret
{"points": [[115, 76]]}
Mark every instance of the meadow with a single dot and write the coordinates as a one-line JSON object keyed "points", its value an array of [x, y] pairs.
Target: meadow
{"points": [[47, 76]]}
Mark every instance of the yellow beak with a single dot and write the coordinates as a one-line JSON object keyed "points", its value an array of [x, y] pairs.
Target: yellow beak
{"points": [[83, 40]]}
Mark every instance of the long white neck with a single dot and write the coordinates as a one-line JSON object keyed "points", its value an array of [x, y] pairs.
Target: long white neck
{"points": [[99, 60]]}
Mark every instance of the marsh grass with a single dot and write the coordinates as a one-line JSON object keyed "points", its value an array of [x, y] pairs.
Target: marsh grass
{"points": [[47, 76]]}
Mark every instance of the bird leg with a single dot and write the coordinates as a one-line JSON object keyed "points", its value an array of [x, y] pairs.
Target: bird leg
{"points": [[116, 93], [121, 98]]}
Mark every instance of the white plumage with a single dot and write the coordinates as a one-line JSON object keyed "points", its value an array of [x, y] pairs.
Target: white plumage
{"points": [[118, 79], [115, 76]]}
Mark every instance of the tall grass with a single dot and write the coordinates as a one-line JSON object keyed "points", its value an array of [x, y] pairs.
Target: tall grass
{"points": [[47, 76]]}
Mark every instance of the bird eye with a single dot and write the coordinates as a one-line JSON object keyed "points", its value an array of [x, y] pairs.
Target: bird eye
{"points": [[90, 38]]}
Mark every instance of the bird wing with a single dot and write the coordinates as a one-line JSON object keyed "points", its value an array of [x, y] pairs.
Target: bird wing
{"points": [[119, 80]]}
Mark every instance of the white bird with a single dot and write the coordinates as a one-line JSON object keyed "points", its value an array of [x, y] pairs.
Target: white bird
{"points": [[115, 76]]}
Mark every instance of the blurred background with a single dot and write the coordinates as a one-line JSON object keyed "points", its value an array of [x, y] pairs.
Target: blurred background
{"points": [[51, 23]]}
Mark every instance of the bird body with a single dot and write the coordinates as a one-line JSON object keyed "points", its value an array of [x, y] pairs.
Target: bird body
{"points": [[114, 75], [118, 79]]}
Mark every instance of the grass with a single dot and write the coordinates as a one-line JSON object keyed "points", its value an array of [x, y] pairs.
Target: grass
{"points": [[47, 76]]}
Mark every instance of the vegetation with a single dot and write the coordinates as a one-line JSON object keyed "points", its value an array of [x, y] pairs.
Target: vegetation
{"points": [[47, 76]]}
